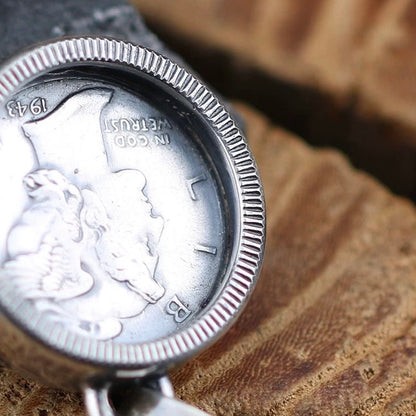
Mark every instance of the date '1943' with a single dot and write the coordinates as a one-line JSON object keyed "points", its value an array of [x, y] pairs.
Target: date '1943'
{"points": [[18, 109]]}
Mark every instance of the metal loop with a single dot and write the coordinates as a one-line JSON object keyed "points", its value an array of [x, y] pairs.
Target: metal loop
{"points": [[142, 400]]}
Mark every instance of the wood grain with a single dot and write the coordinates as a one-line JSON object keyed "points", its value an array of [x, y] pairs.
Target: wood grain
{"points": [[361, 46], [338, 73], [330, 329]]}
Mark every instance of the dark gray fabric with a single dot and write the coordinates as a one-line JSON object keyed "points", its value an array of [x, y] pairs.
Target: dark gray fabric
{"points": [[25, 22]]}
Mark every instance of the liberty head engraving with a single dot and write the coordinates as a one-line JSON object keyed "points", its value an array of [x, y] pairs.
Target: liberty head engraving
{"points": [[84, 250]]}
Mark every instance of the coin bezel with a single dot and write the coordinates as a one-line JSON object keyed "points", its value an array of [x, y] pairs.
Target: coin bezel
{"points": [[250, 239]]}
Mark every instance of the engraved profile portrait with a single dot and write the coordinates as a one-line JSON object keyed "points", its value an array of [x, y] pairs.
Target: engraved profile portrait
{"points": [[84, 248]]}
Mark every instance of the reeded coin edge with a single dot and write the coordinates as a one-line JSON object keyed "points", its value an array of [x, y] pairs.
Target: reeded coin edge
{"points": [[244, 272]]}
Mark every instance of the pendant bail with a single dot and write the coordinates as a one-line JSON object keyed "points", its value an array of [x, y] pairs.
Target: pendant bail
{"points": [[153, 398]]}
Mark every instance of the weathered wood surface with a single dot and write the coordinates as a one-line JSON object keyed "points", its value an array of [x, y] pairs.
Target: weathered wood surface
{"points": [[339, 73], [343, 46], [330, 329]]}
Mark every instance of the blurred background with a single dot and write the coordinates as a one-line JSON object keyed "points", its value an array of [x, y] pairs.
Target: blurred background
{"points": [[337, 73], [330, 329]]}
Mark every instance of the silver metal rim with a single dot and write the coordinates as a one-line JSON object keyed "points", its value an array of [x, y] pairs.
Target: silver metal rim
{"points": [[244, 272]]}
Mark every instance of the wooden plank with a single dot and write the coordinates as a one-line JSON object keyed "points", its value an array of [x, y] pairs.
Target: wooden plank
{"points": [[340, 46], [21, 396], [330, 329], [338, 73]]}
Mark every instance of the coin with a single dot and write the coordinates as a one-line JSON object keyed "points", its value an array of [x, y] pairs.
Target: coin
{"points": [[133, 225]]}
